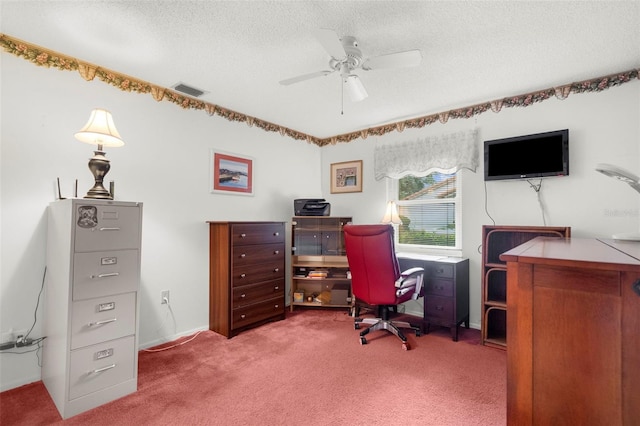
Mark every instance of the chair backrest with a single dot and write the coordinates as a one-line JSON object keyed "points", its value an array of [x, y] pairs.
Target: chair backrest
{"points": [[372, 262]]}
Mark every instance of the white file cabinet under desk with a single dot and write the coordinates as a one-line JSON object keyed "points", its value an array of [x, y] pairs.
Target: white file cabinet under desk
{"points": [[90, 355]]}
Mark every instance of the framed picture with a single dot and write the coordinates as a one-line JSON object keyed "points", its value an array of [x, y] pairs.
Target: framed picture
{"points": [[231, 173], [346, 177]]}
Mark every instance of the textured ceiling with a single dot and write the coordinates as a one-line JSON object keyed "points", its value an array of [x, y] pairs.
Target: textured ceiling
{"points": [[238, 51]]}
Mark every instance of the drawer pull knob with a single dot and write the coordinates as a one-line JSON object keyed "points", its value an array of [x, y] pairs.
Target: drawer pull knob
{"points": [[275, 234], [276, 270], [111, 274], [439, 308], [242, 296], [243, 235], [276, 252], [277, 306], [103, 369], [276, 288], [99, 323], [243, 275], [243, 316], [243, 255], [109, 229]]}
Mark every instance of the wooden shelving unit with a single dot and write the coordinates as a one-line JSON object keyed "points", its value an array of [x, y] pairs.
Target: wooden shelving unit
{"points": [[318, 249], [495, 241]]}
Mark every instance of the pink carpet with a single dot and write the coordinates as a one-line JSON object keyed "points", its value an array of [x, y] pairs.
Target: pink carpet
{"points": [[308, 369]]}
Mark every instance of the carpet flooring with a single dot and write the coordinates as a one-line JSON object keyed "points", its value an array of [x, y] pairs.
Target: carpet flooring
{"points": [[307, 369]]}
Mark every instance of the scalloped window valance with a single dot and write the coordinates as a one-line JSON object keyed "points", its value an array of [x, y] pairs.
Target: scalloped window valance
{"points": [[444, 153]]}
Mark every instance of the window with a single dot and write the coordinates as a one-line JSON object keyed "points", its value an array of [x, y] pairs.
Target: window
{"points": [[430, 210]]}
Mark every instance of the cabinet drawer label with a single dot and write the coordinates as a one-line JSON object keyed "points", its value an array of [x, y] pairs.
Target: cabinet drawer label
{"points": [[106, 353], [108, 261], [113, 215], [109, 306]]}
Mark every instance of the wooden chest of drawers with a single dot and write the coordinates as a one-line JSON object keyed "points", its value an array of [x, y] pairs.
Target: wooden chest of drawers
{"points": [[446, 291], [246, 275], [90, 356]]}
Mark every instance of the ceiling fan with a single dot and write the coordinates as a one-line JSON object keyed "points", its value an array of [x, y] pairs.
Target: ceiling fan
{"points": [[346, 57]]}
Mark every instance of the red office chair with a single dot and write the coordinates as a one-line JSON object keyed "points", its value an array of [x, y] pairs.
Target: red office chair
{"points": [[376, 278]]}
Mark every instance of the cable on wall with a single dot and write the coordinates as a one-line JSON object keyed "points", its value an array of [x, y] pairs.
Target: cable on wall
{"points": [[537, 188]]}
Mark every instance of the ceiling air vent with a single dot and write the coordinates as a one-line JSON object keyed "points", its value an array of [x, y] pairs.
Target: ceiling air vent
{"points": [[188, 90]]}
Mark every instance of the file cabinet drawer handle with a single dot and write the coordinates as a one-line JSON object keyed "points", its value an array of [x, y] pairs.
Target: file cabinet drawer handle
{"points": [[110, 274], [103, 369], [99, 323], [110, 229]]}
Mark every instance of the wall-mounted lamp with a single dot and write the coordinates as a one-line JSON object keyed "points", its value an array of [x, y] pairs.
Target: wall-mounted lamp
{"points": [[391, 214], [620, 174], [628, 178], [100, 130]]}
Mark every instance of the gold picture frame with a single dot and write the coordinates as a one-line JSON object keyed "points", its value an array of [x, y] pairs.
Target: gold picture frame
{"points": [[346, 177]]}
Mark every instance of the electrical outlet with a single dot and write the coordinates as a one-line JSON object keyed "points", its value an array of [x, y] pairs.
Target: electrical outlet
{"points": [[164, 297]]}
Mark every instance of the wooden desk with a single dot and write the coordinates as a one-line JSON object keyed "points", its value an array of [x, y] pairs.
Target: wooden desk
{"points": [[573, 332], [446, 290]]}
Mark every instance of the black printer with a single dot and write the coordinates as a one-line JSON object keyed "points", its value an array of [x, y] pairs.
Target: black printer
{"points": [[311, 207]]}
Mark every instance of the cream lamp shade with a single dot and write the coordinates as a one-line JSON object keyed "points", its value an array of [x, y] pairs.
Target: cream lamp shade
{"points": [[100, 130], [391, 214]]}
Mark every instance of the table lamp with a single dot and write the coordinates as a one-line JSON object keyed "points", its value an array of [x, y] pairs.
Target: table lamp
{"points": [[391, 214], [99, 130]]}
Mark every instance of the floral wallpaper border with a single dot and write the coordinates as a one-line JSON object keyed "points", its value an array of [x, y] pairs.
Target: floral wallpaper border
{"points": [[50, 59]]}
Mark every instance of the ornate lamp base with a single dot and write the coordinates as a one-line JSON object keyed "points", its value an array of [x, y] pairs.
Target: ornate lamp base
{"points": [[99, 166]]}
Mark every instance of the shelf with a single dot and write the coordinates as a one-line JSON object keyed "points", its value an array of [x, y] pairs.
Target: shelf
{"points": [[332, 279], [319, 305], [496, 303], [318, 246], [495, 241]]}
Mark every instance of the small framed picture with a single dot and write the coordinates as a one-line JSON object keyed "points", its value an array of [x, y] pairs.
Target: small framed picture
{"points": [[231, 173], [346, 177]]}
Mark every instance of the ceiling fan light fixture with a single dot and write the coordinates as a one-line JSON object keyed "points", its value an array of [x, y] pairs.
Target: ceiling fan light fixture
{"points": [[355, 88]]}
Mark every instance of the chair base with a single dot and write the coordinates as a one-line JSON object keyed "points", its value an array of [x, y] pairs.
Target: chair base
{"points": [[393, 327]]}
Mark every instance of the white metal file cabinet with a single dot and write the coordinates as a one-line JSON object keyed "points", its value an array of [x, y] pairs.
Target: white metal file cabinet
{"points": [[90, 354]]}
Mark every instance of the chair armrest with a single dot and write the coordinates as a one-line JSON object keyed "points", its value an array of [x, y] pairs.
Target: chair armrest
{"points": [[409, 280]]}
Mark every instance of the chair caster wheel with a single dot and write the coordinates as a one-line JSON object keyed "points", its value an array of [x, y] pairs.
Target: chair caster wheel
{"points": [[363, 341], [418, 333], [356, 326], [405, 346]]}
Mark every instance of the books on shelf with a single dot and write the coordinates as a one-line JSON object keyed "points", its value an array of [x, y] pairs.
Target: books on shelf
{"points": [[317, 274]]}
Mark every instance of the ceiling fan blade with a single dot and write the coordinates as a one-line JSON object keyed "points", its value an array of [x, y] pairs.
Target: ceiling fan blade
{"points": [[305, 77], [331, 43], [410, 58], [356, 89]]}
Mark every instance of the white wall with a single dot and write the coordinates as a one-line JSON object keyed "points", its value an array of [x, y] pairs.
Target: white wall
{"points": [[603, 128], [164, 164]]}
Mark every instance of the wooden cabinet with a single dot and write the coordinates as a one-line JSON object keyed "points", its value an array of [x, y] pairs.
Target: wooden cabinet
{"points": [[495, 241], [90, 355], [446, 291], [574, 345], [246, 275], [319, 263]]}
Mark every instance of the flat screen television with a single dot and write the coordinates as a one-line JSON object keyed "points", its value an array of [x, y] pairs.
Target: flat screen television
{"points": [[529, 156]]}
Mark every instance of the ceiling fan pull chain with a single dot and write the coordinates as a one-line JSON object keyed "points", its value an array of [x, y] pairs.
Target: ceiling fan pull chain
{"points": [[341, 97]]}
